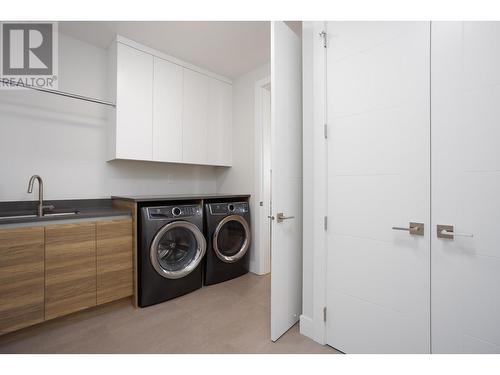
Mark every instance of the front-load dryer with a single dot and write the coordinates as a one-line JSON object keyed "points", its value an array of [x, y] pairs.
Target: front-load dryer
{"points": [[172, 246], [228, 241]]}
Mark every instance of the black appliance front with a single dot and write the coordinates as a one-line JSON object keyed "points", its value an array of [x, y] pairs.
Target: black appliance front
{"points": [[171, 250], [228, 241]]}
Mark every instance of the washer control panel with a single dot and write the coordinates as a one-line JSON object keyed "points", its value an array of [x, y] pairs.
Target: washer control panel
{"points": [[170, 212], [228, 208]]}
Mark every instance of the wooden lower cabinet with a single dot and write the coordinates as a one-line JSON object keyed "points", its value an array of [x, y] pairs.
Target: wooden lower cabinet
{"points": [[51, 271], [114, 260], [70, 268], [21, 277]]}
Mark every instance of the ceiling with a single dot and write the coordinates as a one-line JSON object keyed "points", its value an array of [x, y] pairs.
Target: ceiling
{"points": [[229, 48]]}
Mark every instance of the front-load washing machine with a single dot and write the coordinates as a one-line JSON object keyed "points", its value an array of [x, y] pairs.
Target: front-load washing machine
{"points": [[172, 246], [228, 240]]}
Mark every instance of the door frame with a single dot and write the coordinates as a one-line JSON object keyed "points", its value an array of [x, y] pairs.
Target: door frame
{"points": [[315, 189], [263, 262]]}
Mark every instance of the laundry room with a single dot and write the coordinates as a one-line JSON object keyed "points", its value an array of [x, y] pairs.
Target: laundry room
{"points": [[150, 156], [245, 187], [146, 166]]}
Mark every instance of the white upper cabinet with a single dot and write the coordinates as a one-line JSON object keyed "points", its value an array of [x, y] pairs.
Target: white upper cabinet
{"points": [[195, 117], [220, 97], [167, 110], [207, 119], [134, 104]]}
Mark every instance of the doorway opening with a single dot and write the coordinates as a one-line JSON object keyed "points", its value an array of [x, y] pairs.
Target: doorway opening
{"points": [[263, 174]]}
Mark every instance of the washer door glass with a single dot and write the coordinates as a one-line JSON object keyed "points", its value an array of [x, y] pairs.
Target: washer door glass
{"points": [[177, 249], [232, 238]]}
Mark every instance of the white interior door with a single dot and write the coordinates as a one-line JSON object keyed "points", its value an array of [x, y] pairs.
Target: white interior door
{"points": [[466, 186], [378, 99], [286, 161]]}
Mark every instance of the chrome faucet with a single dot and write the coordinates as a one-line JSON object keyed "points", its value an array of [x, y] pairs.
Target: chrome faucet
{"points": [[41, 207]]}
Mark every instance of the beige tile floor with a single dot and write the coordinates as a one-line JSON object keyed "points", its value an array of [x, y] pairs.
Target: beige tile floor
{"points": [[231, 317]]}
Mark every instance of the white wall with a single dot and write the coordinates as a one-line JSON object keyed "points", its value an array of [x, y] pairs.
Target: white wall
{"points": [[240, 177], [64, 140]]}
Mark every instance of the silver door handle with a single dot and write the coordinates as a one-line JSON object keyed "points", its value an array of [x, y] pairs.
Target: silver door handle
{"points": [[446, 231], [413, 228], [280, 217]]}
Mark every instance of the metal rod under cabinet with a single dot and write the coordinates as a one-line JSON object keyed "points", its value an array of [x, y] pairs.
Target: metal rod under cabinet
{"points": [[61, 93]]}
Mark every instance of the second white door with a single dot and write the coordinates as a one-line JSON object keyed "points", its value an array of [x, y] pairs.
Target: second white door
{"points": [[378, 98], [465, 187]]}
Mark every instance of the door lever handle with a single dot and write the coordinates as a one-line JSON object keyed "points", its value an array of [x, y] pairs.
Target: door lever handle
{"points": [[280, 217], [447, 231], [413, 228]]}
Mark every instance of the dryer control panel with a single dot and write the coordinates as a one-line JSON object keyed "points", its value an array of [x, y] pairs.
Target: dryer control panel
{"points": [[228, 208], [170, 212]]}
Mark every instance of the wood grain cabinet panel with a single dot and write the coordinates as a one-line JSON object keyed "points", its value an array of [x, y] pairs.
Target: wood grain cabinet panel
{"points": [[21, 278], [70, 268], [114, 260]]}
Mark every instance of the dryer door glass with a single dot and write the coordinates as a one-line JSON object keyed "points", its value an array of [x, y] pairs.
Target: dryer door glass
{"points": [[177, 249], [232, 238]]}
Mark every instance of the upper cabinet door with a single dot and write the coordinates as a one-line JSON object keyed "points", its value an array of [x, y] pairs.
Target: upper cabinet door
{"points": [[195, 117], [167, 111], [134, 104], [219, 123]]}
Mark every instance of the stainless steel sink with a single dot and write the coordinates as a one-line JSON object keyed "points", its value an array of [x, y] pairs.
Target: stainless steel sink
{"points": [[61, 213], [16, 217], [48, 214]]}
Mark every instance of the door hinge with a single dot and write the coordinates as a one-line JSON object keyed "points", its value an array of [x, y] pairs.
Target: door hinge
{"points": [[323, 35], [325, 222], [324, 314], [326, 131]]}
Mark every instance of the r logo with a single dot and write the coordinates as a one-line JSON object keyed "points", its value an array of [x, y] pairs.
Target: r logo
{"points": [[27, 49]]}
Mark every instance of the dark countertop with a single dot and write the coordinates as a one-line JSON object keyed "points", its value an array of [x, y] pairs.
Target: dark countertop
{"points": [[178, 197], [87, 209]]}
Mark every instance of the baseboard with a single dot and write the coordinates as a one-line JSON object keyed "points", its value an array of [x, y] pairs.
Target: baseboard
{"points": [[256, 269], [306, 326], [258, 273]]}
